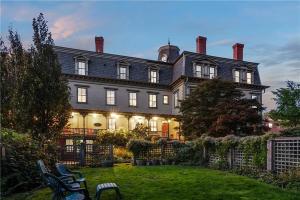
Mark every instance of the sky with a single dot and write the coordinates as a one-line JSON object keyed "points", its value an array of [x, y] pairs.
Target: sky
{"points": [[269, 30]]}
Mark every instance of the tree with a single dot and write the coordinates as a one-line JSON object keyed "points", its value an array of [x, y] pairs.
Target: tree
{"points": [[288, 105], [218, 108], [14, 64], [46, 91]]}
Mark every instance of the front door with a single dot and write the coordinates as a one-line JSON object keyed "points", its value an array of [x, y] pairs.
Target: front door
{"points": [[165, 129]]}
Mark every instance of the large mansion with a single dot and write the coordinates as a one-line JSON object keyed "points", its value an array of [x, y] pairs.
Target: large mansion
{"points": [[111, 91]]}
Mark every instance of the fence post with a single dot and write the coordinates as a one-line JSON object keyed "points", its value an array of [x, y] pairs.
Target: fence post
{"points": [[111, 152], [82, 154], [230, 158], [270, 144]]}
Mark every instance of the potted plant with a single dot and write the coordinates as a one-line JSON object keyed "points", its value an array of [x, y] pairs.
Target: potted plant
{"points": [[137, 147]]}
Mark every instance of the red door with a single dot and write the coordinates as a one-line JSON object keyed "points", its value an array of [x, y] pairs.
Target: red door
{"points": [[165, 129]]}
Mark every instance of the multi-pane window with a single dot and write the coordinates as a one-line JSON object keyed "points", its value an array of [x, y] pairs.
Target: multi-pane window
{"points": [[132, 99], [176, 99], [153, 76], [249, 77], [211, 72], [111, 123], [110, 97], [81, 95], [123, 72], [253, 96], [69, 145], [166, 99], [198, 70], [237, 76], [153, 125], [152, 100], [82, 68]]}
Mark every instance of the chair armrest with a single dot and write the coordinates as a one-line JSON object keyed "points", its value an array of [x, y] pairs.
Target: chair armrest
{"points": [[66, 177], [78, 173]]}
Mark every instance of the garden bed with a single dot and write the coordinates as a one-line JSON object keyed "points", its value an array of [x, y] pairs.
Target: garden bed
{"points": [[175, 182]]}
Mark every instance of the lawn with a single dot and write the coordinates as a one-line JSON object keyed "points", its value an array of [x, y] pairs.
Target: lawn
{"points": [[175, 182]]}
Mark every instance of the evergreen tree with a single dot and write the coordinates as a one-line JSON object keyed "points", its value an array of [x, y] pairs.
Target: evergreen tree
{"points": [[46, 90], [288, 105], [218, 108]]}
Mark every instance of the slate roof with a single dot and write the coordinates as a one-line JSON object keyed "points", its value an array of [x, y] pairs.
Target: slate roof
{"points": [[104, 66]]}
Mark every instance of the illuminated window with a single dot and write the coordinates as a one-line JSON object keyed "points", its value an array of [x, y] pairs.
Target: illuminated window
{"points": [[152, 100], [153, 76], [111, 123], [166, 99], [110, 97], [237, 76], [81, 95], [153, 125], [82, 68], [132, 99], [249, 77]]}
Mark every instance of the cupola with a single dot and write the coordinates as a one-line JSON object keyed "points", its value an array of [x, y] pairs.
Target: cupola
{"points": [[168, 53]]}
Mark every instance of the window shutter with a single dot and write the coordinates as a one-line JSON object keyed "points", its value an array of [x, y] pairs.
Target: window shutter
{"points": [[76, 66], [86, 68], [157, 71], [194, 69], [127, 72]]}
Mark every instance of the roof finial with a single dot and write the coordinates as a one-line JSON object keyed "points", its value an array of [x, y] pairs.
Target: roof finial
{"points": [[168, 41]]}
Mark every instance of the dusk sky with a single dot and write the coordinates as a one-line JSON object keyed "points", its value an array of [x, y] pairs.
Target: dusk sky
{"points": [[269, 30]]}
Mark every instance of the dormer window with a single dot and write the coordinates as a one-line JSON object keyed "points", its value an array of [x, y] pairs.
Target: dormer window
{"points": [[204, 71], [153, 75], [249, 77], [123, 70], [237, 76], [81, 66], [242, 75]]}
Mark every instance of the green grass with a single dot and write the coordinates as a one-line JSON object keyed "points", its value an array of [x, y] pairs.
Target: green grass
{"points": [[175, 182]]}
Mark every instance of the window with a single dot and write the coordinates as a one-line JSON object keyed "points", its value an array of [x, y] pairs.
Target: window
{"points": [[110, 97], [69, 145], [249, 77], [132, 99], [237, 76], [153, 76], [166, 99], [153, 125], [111, 123], [176, 99], [253, 96], [81, 95], [89, 146], [152, 100], [82, 68], [198, 70], [211, 72], [123, 72]]}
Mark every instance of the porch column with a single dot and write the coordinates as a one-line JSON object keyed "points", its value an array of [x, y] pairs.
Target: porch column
{"points": [[83, 114]]}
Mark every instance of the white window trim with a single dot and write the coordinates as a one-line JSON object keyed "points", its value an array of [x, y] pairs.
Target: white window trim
{"points": [[152, 102], [108, 97], [123, 65], [82, 60], [112, 124], [153, 125], [132, 102], [151, 69], [167, 99], [80, 95]]}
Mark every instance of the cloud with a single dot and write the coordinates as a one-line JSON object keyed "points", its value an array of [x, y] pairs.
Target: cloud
{"points": [[277, 65], [66, 26], [224, 42]]}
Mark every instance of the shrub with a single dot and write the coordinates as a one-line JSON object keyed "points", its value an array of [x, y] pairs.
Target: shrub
{"points": [[137, 146], [122, 154], [118, 138], [19, 172], [291, 132]]}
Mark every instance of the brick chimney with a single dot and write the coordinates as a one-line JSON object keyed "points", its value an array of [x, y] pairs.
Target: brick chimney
{"points": [[238, 51], [99, 43], [201, 45]]}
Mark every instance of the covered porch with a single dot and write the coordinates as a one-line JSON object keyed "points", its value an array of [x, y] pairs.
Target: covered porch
{"points": [[87, 123]]}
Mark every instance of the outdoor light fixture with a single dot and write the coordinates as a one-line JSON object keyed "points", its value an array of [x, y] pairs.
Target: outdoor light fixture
{"points": [[155, 118], [169, 120], [113, 115], [73, 114], [95, 115], [270, 125]]}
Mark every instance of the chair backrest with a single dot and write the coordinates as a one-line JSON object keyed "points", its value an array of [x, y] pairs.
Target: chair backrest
{"points": [[57, 186], [42, 168], [62, 169]]}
